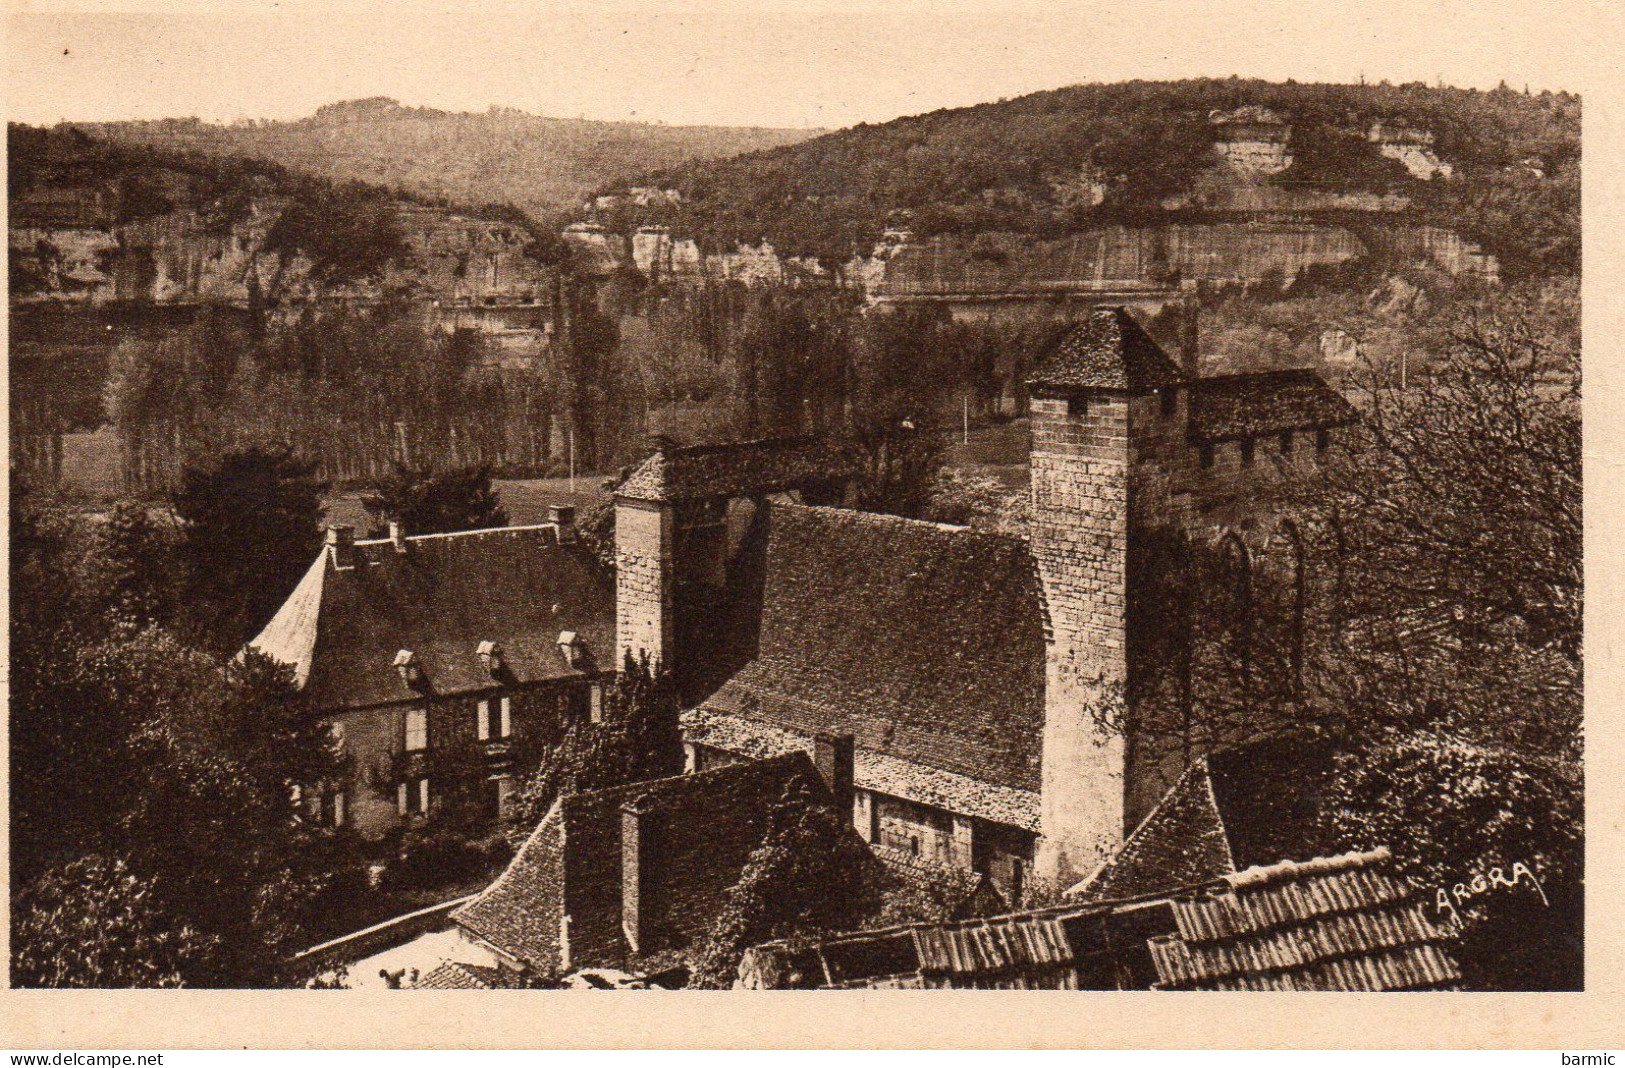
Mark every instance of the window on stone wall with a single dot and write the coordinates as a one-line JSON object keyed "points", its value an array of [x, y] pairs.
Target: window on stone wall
{"points": [[412, 797], [417, 729], [1077, 406]]}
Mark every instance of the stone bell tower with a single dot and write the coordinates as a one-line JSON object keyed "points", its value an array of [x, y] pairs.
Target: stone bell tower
{"points": [[1103, 405]]}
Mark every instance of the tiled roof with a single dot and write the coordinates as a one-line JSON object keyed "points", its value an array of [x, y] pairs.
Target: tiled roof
{"points": [[704, 828], [1181, 841], [924, 642], [442, 597], [1247, 405], [737, 469], [1108, 350], [1238, 807], [1339, 923], [1076, 947], [455, 975]]}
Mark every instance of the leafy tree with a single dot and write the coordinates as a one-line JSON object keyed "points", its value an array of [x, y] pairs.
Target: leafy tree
{"points": [[131, 569], [92, 923], [425, 501], [811, 875], [250, 527], [639, 738], [349, 232], [1454, 812]]}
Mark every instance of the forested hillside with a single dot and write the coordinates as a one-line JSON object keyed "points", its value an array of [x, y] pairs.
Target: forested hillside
{"points": [[1092, 155], [500, 156]]}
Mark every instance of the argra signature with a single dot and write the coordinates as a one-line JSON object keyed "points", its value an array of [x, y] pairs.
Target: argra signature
{"points": [[1447, 900]]}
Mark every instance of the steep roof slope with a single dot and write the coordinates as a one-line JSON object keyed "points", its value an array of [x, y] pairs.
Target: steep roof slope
{"points": [[440, 598], [703, 828], [925, 642], [1108, 350]]}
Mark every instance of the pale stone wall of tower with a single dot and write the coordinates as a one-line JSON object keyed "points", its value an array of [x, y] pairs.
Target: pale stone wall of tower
{"points": [[645, 580], [1080, 527]]}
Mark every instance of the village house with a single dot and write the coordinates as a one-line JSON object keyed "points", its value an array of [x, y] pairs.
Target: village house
{"points": [[444, 663]]}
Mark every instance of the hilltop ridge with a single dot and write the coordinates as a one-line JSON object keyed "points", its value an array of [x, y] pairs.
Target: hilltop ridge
{"points": [[502, 155]]}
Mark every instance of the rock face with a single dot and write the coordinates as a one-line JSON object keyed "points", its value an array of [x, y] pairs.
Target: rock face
{"points": [[1253, 140], [61, 253], [1412, 147]]}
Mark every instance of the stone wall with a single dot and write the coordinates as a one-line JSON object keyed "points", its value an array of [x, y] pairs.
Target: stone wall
{"points": [[645, 583], [1080, 469]]}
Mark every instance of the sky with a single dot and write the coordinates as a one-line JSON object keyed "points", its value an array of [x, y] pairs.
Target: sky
{"points": [[727, 62]]}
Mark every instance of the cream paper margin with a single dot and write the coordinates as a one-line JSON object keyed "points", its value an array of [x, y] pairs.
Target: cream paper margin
{"points": [[86, 1020]]}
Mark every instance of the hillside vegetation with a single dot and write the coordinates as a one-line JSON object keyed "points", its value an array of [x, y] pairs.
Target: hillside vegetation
{"points": [[506, 156], [1016, 166]]}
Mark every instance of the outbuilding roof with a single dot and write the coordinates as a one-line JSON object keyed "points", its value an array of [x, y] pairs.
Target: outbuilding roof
{"points": [[703, 828], [737, 469], [1267, 402], [1338, 923]]}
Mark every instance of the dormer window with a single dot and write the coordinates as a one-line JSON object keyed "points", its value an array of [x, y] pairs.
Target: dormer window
{"points": [[570, 647], [407, 664], [490, 654]]}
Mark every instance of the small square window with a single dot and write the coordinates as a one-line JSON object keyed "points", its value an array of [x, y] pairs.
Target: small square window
{"points": [[1077, 406]]}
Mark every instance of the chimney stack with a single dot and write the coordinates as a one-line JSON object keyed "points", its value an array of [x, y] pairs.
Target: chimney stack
{"points": [[341, 544], [563, 516], [635, 856], [833, 756], [1190, 348], [397, 535]]}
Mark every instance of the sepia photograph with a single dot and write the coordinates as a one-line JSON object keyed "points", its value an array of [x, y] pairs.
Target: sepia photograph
{"points": [[621, 497]]}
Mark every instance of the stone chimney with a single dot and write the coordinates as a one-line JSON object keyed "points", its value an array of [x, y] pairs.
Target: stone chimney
{"points": [[563, 516], [635, 857], [397, 535], [490, 654], [341, 546], [833, 755], [1190, 339]]}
